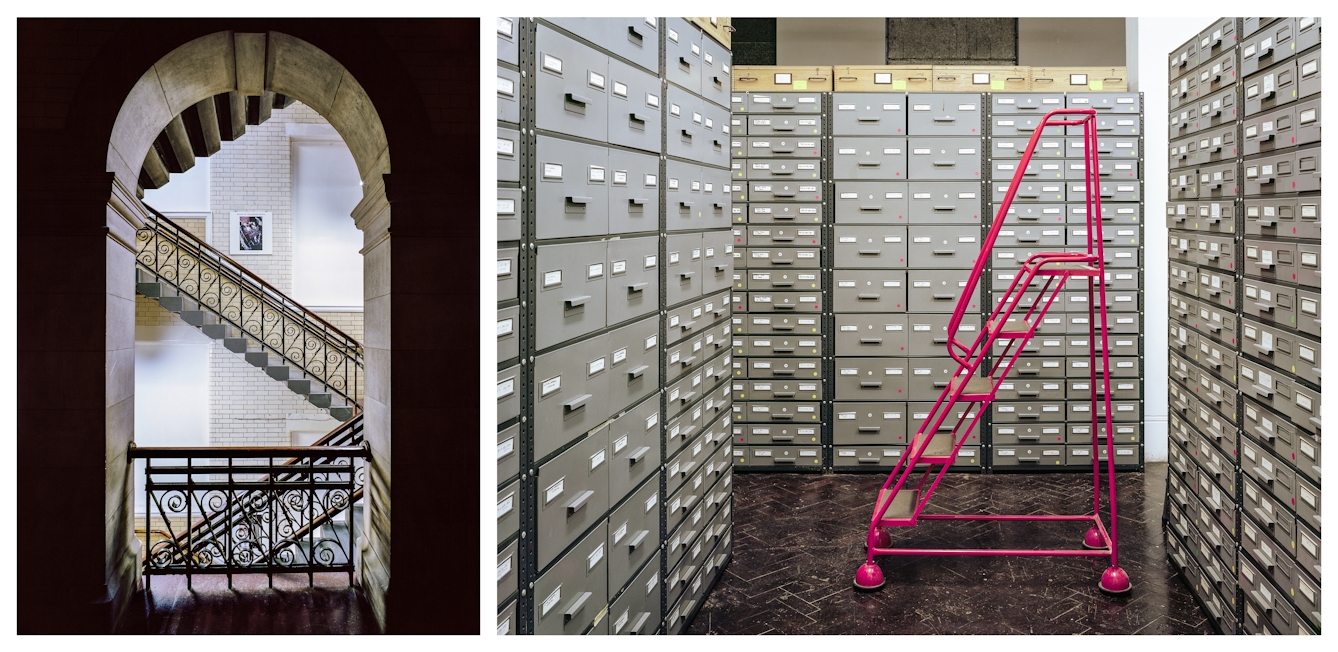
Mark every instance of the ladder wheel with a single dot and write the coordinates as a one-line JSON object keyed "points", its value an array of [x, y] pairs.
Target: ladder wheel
{"points": [[881, 539], [869, 577]]}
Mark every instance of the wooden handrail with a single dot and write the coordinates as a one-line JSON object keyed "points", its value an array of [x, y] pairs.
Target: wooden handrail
{"points": [[169, 452], [249, 274]]}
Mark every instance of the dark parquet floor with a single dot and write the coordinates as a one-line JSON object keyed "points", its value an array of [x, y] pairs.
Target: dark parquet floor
{"points": [[799, 538], [251, 607]]}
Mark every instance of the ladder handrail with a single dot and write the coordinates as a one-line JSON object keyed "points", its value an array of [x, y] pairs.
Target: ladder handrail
{"points": [[988, 244]]}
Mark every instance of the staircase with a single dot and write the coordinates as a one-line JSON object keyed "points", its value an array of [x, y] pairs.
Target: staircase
{"points": [[227, 302], [973, 386]]}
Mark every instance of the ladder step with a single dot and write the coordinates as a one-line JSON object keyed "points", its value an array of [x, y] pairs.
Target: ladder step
{"points": [[902, 509], [1067, 269], [1012, 329], [977, 387]]}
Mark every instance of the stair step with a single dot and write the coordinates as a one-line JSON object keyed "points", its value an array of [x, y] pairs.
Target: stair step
{"points": [[150, 289], [218, 331], [902, 510], [299, 385], [177, 304], [277, 372], [320, 399], [237, 344], [341, 412], [198, 318]]}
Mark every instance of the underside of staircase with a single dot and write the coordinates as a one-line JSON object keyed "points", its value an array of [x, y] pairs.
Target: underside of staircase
{"points": [[235, 340]]}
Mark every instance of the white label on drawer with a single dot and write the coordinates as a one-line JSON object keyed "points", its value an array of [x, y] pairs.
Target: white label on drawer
{"points": [[845, 151], [966, 151], [504, 507], [596, 460], [506, 387], [808, 453], [504, 327], [552, 600], [505, 448], [551, 385], [504, 568]]}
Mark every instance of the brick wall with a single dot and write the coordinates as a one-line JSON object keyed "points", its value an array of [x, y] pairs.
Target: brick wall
{"points": [[254, 173]]}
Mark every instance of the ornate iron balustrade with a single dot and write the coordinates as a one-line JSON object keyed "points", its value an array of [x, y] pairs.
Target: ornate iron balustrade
{"points": [[260, 510], [255, 308]]}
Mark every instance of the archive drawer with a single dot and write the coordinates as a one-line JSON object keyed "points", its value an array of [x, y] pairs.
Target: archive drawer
{"points": [[871, 379], [870, 423], [870, 247], [754, 279], [1290, 217], [872, 202], [574, 494], [777, 389], [943, 246], [1028, 433], [929, 332], [938, 290], [777, 213], [574, 590], [784, 236], [780, 257], [869, 290], [869, 114], [785, 190], [634, 531], [1028, 456], [775, 169], [784, 125], [868, 158], [779, 146], [798, 368], [1030, 191], [780, 433], [785, 456], [945, 202], [1271, 88], [943, 159], [865, 335], [778, 345], [943, 114], [919, 414], [1014, 146], [782, 302], [1022, 125]]}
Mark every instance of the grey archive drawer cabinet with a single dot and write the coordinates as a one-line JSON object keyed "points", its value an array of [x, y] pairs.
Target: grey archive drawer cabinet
{"points": [[615, 268], [1244, 487]]}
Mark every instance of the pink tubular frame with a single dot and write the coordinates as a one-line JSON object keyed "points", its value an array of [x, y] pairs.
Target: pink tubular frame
{"points": [[1100, 541]]}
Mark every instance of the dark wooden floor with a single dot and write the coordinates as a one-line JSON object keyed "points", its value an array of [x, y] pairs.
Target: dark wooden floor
{"points": [[799, 538], [251, 607]]}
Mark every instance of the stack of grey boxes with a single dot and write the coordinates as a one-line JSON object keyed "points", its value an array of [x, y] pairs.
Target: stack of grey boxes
{"points": [[778, 185], [1043, 416], [1243, 493], [912, 183], [614, 266]]}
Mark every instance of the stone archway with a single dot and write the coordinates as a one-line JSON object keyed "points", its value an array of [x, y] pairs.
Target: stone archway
{"points": [[89, 115], [260, 65]]}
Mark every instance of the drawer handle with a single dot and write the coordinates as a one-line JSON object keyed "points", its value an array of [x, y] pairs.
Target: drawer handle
{"points": [[633, 35], [636, 201], [580, 201], [640, 623], [638, 454], [870, 340], [871, 384], [1030, 194], [783, 460], [944, 118], [684, 63], [687, 325], [633, 117], [870, 164], [783, 151], [685, 204], [940, 340], [1266, 351], [944, 164], [687, 397], [945, 209], [782, 284], [576, 606], [579, 502], [1035, 438], [869, 119], [689, 361], [940, 383], [870, 460], [687, 468], [686, 274], [869, 296], [945, 252], [1030, 238], [870, 429], [577, 99], [871, 209], [783, 394], [1029, 372], [782, 327], [787, 349], [782, 238], [722, 267], [636, 542], [1024, 415], [1263, 391], [1264, 307], [944, 297], [636, 373], [782, 306], [1264, 478], [782, 217], [781, 173], [782, 372], [636, 287], [870, 252], [1029, 460], [1028, 392], [576, 302], [576, 403], [781, 261], [789, 193], [687, 135], [782, 438], [782, 417]]}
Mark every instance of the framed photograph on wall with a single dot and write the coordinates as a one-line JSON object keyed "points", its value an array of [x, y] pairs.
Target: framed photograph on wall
{"points": [[250, 232]]}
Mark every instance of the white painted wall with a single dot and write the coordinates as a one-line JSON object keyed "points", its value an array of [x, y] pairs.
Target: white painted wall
{"points": [[327, 268], [1156, 37], [171, 389], [186, 191]]}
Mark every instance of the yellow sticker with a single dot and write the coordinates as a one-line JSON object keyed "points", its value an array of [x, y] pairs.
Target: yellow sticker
{"points": [[997, 85], [1096, 85], [898, 84], [801, 85]]}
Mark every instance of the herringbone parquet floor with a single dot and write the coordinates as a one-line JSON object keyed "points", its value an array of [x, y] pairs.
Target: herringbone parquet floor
{"points": [[799, 538]]}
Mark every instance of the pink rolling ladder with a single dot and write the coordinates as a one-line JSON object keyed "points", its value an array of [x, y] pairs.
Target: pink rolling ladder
{"points": [[902, 500]]}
